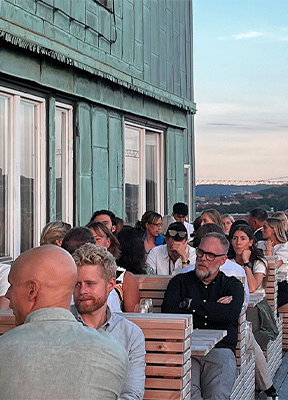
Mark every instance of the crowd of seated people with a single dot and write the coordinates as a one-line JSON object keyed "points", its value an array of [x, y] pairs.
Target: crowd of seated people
{"points": [[164, 246]]}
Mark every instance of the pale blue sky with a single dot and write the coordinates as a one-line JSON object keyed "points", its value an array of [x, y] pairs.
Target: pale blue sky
{"points": [[241, 88]]}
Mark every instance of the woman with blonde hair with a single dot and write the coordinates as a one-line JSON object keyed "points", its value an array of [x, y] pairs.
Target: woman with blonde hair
{"points": [[211, 216], [280, 215], [277, 245], [54, 232]]}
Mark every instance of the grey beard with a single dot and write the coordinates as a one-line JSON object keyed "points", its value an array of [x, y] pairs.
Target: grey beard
{"points": [[204, 275]]}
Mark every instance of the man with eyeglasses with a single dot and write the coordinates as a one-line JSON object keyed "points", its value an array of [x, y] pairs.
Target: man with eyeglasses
{"points": [[170, 258], [215, 301]]}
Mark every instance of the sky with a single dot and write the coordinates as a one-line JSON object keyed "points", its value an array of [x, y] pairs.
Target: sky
{"points": [[241, 89]]}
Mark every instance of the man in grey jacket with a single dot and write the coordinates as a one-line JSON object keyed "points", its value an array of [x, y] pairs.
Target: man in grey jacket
{"points": [[49, 355]]}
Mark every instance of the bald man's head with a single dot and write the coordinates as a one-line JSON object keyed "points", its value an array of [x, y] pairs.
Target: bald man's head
{"points": [[39, 278]]}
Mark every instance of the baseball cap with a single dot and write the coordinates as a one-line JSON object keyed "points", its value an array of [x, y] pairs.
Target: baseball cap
{"points": [[177, 231]]}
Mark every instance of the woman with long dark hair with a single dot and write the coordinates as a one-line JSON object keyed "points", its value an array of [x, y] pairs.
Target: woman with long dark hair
{"points": [[244, 252], [126, 285], [133, 255]]}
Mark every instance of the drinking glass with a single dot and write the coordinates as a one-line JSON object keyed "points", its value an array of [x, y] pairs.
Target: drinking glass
{"points": [[148, 303]]}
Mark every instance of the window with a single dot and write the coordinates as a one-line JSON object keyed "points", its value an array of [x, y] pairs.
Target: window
{"points": [[143, 172], [187, 188], [22, 171], [64, 162]]}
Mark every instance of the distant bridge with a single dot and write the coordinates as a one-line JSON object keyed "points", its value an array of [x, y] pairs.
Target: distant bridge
{"points": [[268, 182]]}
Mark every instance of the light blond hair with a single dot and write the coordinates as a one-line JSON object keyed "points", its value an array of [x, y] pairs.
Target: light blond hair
{"points": [[54, 231], [93, 254], [282, 216]]}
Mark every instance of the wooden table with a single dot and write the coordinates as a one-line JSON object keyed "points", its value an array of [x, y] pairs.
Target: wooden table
{"points": [[7, 321], [204, 340]]}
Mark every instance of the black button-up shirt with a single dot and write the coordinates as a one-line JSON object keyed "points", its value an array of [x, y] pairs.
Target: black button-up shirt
{"points": [[207, 313]]}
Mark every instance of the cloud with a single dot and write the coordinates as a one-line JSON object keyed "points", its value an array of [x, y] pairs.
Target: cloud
{"points": [[240, 36], [275, 35], [249, 35]]}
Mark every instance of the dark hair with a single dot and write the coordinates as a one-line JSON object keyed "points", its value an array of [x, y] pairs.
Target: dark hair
{"points": [[102, 230], [149, 217], [259, 214], [132, 250], [76, 237], [203, 230], [197, 223], [256, 254], [119, 225], [104, 212], [180, 209]]}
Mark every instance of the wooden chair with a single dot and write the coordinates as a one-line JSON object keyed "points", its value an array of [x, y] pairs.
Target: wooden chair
{"points": [[168, 354], [153, 287], [273, 352]]}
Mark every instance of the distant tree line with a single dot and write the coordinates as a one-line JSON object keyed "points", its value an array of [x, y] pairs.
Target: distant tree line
{"points": [[274, 199]]}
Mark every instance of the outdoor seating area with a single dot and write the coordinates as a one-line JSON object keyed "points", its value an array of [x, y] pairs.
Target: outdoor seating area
{"points": [[170, 341]]}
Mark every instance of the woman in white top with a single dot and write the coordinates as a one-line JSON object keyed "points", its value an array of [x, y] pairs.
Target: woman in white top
{"points": [[245, 253], [277, 245]]}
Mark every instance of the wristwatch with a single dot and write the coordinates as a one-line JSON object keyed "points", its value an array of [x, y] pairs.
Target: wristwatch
{"points": [[187, 262], [249, 265]]}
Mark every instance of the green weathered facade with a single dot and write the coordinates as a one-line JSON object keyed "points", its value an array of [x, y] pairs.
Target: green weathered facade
{"points": [[134, 62]]}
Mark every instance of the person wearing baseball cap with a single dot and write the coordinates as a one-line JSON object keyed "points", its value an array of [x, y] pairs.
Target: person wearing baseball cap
{"points": [[170, 258]]}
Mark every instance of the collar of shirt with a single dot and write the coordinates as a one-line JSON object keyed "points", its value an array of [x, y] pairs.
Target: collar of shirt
{"points": [[49, 313], [79, 318]]}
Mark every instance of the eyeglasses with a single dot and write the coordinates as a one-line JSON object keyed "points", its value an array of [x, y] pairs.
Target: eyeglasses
{"points": [[209, 256], [174, 233], [158, 225]]}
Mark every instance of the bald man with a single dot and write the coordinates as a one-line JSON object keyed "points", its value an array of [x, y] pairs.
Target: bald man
{"points": [[49, 355]]}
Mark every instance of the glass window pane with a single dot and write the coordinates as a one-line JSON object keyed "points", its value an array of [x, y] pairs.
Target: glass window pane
{"points": [[4, 250], [151, 155], [132, 175], [60, 126], [27, 174]]}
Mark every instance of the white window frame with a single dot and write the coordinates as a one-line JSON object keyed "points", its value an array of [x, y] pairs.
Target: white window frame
{"points": [[188, 189], [143, 131], [67, 163], [13, 199]]}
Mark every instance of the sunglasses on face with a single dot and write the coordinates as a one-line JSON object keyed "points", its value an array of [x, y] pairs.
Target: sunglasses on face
{"points": [[174, 233], [209, 256]]}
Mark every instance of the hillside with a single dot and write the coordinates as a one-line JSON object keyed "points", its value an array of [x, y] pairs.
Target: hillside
{"points": [[222, 190]]}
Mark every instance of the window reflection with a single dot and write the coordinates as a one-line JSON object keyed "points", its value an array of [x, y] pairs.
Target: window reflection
{"points": [[27, 174], [4, 251]]}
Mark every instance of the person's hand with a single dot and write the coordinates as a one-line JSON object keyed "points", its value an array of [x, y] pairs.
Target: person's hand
{"points": [[269, 247], [225, 300], [246, 256], [180, 248]]}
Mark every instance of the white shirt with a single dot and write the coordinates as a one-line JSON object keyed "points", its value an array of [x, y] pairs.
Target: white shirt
{"points": [[280, 251], [158, 259], [113, 301], [4, 284], [190, 229], [230, 268]]}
